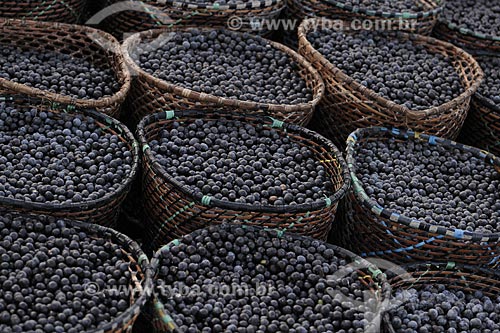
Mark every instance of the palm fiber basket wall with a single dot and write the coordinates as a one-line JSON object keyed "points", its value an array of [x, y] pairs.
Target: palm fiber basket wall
{"points": [[482, 126], [173, 209], [371, 276], [372, 230], [103, 211], [152, 14], [466, 278], [98, 47], [141, 274], [65, 11], [150, 95], [466, 38], [419, 22], [348, 105]]}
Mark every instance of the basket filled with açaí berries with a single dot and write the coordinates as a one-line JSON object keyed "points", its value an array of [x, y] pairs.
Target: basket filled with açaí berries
{"points": [[201, 168], [57, 160], [482, 126], [443, 297], [470, 24], [419, 197], [380, 78], [418, 16], [207, 69], [231, 278], [63, 63], [242, 15], [69, 276]]}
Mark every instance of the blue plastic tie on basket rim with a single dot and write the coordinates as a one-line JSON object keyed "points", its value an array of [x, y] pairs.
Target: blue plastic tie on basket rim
{"points": [[458, 233], [432, 140], [328, 201], [276, 123], [145, 147], [205, 200], [143, 257], [402, 249], [170, 114]]}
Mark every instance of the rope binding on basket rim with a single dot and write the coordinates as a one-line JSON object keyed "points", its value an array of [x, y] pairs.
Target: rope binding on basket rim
{"points": [[208, 201], [387, 14], [385, 213]]}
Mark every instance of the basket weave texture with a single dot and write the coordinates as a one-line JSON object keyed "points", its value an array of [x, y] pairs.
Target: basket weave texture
{"points": [[152, 14], [150, 95], [418, 22], [173, 209], [372, 230], [373, 278], [103, 211], [482, 126], [466, 38], [141, 273], [460, 277], [64, 11], [348, 105], [99, 48]]}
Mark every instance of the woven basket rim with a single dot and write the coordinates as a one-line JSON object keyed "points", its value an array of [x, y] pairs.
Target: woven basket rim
{"points": [[139, 257], [254, 4], [487, 102], [123, 75], [87, 204], [466, 94], [432, 266], [388, 14], [480, 98], [132, 40], [201, 199], [386, 213], [377, 275], [142, 260], [465, 31]]}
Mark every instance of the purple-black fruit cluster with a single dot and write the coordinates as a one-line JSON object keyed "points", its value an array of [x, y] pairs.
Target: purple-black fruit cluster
{"points": [[277, 284], [239, 162], [226, 64], [490, 87], [481, 16], [432, 183], [437, 308], [63, 158], [57, 73], [401, 71], [46, 269]]}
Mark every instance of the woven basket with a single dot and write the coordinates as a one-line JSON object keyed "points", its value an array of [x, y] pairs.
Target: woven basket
{"points": [[482, 126], [96, 46], [372, 276], [151, 14], [66, 11], [103, 211], [140, 269], [466, 38], [348, 105], [421, 22], [150, 95], [373, 230], [173, 209], [465, 278]]}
